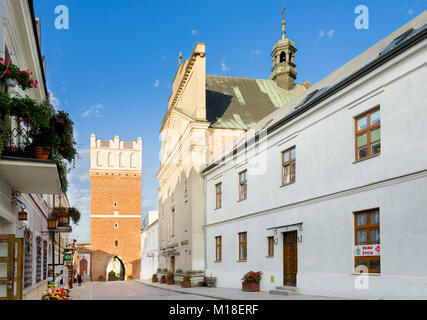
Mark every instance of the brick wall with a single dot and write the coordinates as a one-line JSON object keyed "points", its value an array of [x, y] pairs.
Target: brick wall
{"points": [[124, 189]]}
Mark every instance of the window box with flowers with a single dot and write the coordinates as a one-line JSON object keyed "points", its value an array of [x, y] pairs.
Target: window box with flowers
{"points": [[251, 281], [186, 281]]}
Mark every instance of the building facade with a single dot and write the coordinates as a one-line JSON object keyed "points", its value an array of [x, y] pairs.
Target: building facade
{"points": [[115, 177], [329, 199], [206, 113], [26, 184], [150, 246]]}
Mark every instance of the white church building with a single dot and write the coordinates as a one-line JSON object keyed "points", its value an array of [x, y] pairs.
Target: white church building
{"points": [[331, 198]]}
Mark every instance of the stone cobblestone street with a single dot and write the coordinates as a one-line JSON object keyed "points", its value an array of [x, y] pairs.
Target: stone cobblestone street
{"points": [[144, 290], [129, 290]]}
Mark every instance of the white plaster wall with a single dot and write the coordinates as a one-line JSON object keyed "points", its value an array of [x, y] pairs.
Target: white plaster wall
{"points": [[325, 143], [149, 251], [115, 157]]}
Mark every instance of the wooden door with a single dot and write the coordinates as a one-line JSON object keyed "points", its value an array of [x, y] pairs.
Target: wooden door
{"points": [[290, 259], [173, 264], [6, 266]]}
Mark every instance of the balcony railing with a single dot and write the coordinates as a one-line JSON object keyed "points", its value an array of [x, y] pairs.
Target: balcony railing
{"points": [[17, 140]]}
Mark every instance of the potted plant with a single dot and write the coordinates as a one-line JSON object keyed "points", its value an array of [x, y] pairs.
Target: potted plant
{"points": [[251, 281], [163, 279], [56, 294], [186, 281], [154, 278], [170, 278]]}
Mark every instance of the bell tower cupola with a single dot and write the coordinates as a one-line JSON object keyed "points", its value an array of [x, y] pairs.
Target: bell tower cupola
{"points": [[283, 72]]}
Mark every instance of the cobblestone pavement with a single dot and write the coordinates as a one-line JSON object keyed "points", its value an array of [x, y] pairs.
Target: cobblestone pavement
{"points": [[129, 290], [230, 294]]}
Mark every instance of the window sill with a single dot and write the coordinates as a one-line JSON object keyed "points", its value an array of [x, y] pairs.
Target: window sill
{"points": [[287, 185], [368, 158], [242, 200], [217, 261], [242, 261], [269, 257], [367, 274]]}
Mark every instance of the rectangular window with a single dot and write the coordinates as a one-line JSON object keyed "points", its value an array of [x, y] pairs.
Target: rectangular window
{"points": [[367, 234], [271, 246], [218, 249], [243, 246], [218, 188], [243, 185], [173, 222], [289, 166], [368, 134]]}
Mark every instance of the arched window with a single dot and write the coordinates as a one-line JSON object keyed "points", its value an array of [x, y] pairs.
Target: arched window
{"points": [[133, 160], [121, 159], [110, 159], [99, 159], [283, 57]]}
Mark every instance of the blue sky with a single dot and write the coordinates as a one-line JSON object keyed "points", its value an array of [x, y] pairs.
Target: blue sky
{"points": [[112, 69]]}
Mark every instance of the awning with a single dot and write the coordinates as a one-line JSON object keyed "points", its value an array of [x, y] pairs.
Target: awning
{"points": [[31, 175]]}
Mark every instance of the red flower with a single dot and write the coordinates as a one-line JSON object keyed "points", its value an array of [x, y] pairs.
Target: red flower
{"points": [[18, 73], [8, 72], [35, 86], [1, 59], [37, 82]]}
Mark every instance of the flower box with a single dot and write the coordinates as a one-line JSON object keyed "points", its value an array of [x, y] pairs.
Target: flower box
{"points": [[250, 286], [170, 281], [155, 280], [163, 279], [185, 284]]}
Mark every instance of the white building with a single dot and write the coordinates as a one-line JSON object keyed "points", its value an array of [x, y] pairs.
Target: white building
{"points": [[26, 184], [357, 140], [150, 246]]}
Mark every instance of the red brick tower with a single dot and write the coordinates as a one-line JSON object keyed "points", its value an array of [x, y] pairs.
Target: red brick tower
{"points": [[115, 178]]}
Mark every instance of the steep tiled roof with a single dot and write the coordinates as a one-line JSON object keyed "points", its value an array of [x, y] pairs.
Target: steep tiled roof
{"points": [[239, 103]]}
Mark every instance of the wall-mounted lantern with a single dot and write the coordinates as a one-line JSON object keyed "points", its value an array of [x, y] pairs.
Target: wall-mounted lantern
{"points": [[22, 215]]}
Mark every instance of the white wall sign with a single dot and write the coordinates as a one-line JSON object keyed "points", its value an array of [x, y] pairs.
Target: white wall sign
{"points": [[367, 250]]}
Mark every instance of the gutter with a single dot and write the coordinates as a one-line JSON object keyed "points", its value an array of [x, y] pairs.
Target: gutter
{"points": [[36, 36], [355, 76]]}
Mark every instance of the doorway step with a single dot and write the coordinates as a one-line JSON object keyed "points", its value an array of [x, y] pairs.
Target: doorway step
{"points": [[285, 291]]}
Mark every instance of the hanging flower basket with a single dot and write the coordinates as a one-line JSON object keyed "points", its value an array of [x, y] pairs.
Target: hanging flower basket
{"points": [[13, 72], [74, 214]]}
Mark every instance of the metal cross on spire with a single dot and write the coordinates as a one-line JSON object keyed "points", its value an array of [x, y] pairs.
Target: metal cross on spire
{"points": [[283, 22]]}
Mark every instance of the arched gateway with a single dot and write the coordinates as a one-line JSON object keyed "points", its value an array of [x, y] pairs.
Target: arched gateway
{"points": [[115, 269]]}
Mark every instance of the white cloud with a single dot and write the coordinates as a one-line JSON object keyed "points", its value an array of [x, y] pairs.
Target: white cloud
{"points": [[321, 35], [194, 32], [94, 109], [411, 12], [224, 67], [330, 34], [157, 83], [256, 52], [54, 100]]}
